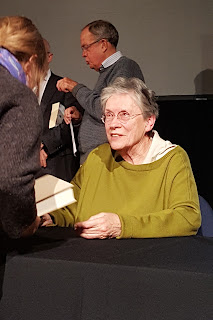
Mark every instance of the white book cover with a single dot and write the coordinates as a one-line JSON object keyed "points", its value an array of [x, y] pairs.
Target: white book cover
{"points": [[52, 193], [54, 115]]}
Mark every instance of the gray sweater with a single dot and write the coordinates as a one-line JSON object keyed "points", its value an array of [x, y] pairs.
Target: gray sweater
{"points": [[92, 131], [20, 130]]}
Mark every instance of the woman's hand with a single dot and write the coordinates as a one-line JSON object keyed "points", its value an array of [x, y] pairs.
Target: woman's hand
{"points": [[102, 225]]}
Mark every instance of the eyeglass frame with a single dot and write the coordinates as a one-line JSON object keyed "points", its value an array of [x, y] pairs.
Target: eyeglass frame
{"points": [[103, 118], [87, 46]]}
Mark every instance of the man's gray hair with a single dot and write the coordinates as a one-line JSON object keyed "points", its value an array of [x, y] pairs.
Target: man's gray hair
{"points": [[143, 97], [102, 29]]}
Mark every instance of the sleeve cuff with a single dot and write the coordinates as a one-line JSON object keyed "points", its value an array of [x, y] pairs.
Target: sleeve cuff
{"points": [[76, 88], [126, 227]]}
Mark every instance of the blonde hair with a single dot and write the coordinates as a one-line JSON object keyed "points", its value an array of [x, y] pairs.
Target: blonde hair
{"points": [[21, 37]]}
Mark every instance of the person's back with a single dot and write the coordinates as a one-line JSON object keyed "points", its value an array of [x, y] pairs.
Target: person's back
{"points": [[22, 64], [19, 133]]}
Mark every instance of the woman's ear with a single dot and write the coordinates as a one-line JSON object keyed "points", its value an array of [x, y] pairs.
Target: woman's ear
{"points": [[28, 68], [50, 57], [150, 123]]}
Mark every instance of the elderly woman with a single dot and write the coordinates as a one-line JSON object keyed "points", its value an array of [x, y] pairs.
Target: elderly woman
{"points": [[22, 65], [138, 185]]}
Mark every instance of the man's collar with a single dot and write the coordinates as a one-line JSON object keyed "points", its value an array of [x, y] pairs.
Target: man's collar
{"points": [[46, 78], [110, 60]]}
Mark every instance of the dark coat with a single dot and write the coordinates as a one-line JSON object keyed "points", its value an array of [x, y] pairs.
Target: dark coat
{"points": [[58, 143]]}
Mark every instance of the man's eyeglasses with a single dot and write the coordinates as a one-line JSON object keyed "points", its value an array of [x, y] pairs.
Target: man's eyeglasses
{"points": [[87, 46], [122, 116]]}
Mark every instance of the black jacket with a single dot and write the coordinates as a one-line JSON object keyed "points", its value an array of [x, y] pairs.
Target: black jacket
{"points": [[57, 141]]}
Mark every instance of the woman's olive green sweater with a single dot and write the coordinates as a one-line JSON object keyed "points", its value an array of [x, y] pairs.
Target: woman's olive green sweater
{"points": [[158, 199]]}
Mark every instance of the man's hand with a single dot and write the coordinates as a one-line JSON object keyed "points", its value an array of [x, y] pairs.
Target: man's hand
{"points": [[102, 225], [43, 157], [72, 114], [66, 85]]}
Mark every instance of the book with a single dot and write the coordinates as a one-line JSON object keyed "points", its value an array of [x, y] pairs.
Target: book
{"points": [[56, 118], [52, 193], [57, 115]]}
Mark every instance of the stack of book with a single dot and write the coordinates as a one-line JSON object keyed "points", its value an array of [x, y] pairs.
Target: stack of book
{"points": [[52, 193]]}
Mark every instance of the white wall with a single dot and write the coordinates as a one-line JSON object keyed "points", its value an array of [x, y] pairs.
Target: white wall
{"points": [[172, 40]]}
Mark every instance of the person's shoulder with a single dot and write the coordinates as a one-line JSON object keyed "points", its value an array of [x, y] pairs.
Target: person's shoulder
{"points": [[127, 61], [100, 153], [178, 156], [14, 90], [54, 78], [181, 152], [127, 67], [102, 149]]}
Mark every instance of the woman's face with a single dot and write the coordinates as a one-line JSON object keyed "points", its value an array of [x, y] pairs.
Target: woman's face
{"points": [[125, 135]]}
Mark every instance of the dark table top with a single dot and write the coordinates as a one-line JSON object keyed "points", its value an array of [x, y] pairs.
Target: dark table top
{"points": [[193, 253], [55, 275]]}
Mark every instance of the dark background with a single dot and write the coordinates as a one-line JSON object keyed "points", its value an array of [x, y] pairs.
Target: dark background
{"points": [[187, 121]]}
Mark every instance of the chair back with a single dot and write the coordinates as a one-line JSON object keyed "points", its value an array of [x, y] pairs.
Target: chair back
{"points": [[206, 228]]}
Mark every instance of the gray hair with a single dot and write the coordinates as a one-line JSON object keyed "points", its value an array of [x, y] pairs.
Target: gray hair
{"points": [[102, 29], [136, 88]]}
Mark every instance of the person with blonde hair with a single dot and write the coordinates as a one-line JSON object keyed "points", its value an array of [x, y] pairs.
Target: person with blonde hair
{"points": [[22, 65]]}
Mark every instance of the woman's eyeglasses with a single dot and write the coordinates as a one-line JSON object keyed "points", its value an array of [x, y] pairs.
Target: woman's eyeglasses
{"points": [[122, 116]]}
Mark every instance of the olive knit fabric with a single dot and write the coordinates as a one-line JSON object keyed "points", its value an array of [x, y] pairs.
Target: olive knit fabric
{"points": [[157, 199]]}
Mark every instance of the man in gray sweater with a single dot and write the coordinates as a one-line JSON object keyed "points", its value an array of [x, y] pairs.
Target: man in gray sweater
{"points": [[99, 40]]}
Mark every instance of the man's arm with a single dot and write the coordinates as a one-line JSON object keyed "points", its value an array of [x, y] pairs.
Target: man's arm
{"points": [[90, 99], [57, 138]]}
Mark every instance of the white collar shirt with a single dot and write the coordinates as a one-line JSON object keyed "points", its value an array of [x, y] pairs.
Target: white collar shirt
{"points": [[43, 84]]}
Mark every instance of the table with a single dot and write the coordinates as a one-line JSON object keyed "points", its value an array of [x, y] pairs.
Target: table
{"points": [[56, 275]]}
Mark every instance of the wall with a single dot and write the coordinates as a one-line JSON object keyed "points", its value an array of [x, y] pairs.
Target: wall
{"points": [[172, 40]]}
